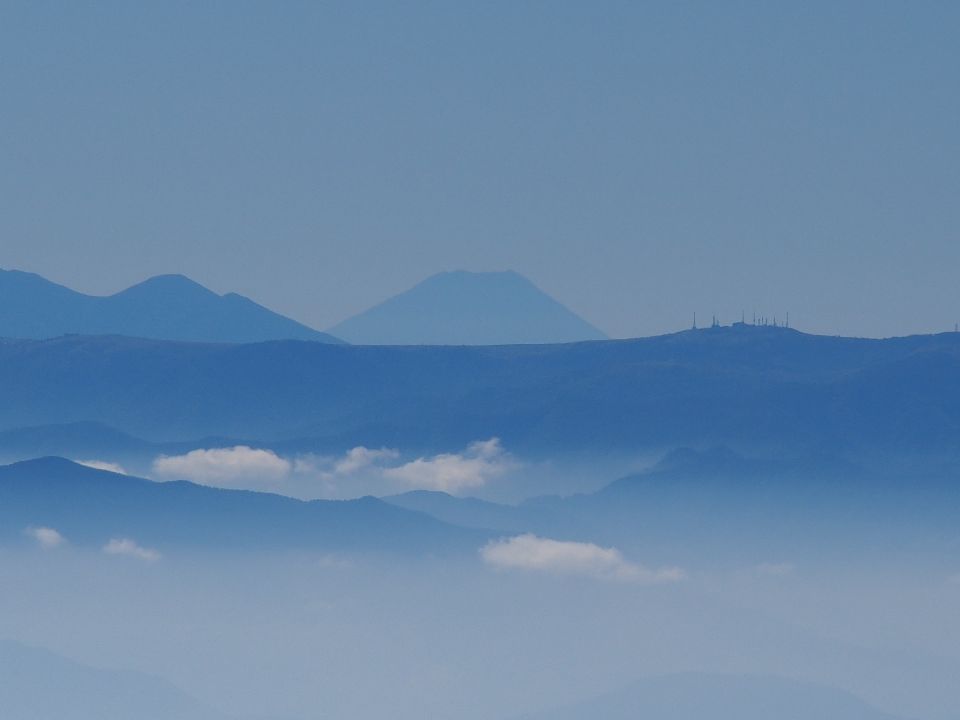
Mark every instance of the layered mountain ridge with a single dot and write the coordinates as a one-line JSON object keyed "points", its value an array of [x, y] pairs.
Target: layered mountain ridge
{"points": [[90, 506], [165, 307], [749, 388]]}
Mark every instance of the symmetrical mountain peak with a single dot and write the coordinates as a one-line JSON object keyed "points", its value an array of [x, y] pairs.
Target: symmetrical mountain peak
{"points": [[468, 308], [171, 282]]}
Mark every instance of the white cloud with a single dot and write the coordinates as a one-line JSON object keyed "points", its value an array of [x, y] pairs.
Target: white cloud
{"points": [[361, 458], [359, 471], [451, 472], [46, 537], [234, 466], [357, 460], [103, 465], [532, 553], [128, 548]]}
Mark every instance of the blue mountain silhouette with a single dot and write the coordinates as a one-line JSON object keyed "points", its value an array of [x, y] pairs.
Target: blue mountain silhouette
{"points": [[169, 307], [719, 504], [90, 507], [719, 697], [468, 308], [40, 684], [746, 388]]}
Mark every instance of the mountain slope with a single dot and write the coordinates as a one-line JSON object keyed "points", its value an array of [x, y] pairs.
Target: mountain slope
{"points": [[78, 440], [719, 697], [90, 507], [464, 308], [463, 511], [718, 505], [167, 307], [747, 388], [38, 685]]}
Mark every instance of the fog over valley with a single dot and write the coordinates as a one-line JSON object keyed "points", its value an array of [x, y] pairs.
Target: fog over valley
{"points": [[479, 361]]}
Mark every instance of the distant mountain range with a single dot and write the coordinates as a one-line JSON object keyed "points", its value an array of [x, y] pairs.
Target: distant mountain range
{"points": [[699, 505], [88, 440], [89, 507], [37, 684], [691, 507], [749, 388], [166, 307], [719, 697], [468, 308]]}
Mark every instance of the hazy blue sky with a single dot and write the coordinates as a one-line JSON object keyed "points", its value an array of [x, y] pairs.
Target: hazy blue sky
{"points": [[639, 161]]}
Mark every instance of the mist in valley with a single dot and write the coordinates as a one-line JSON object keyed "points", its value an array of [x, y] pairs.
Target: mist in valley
{"points": [[521, 624]]}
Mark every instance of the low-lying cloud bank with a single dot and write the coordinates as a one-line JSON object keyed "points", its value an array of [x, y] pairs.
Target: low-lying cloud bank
{"points": [[362, 458], [453, 473], [531, 553], [361, 470], [239, 466]]}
